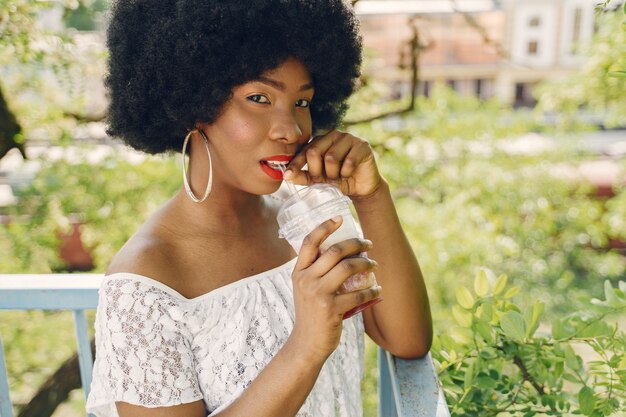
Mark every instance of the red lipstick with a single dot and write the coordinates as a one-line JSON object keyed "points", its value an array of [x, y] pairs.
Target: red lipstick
{"points": [[269, 165]]}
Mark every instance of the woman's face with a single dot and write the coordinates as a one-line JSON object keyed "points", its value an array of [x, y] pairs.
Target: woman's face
{"points": [[265, 121]]}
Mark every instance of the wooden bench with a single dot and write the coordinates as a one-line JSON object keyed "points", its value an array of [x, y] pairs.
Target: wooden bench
{"points": [[407, 388]]}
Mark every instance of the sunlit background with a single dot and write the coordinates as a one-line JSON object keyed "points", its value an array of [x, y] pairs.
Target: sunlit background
{"points": [[500, 125]]}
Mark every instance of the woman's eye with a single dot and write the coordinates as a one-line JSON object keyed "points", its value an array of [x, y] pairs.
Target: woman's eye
{"points": [[303, 103], [259, 98]]}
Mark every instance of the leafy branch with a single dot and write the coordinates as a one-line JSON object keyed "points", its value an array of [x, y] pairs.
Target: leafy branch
{"points": [[493, 333]]}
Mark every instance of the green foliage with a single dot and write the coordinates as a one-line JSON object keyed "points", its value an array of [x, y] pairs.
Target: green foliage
{"points": [[472, 195], [48, 74], [472, 190], [500, 357], [600, 84], [17, 22], [112, 198], [86, 15], [34, 348], [369, 384]]}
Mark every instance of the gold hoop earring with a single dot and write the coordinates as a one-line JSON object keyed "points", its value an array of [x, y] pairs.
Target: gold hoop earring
{"points": [[186, 180]]}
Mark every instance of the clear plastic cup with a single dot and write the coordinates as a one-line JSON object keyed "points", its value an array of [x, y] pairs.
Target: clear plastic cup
{"points": [[309, 207]]}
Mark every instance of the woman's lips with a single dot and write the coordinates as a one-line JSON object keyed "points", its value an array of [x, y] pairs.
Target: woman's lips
{"points": [[270, 165], [271, 172]]}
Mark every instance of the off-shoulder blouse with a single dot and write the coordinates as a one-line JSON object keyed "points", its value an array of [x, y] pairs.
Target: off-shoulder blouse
{"points": [[156, 348]]}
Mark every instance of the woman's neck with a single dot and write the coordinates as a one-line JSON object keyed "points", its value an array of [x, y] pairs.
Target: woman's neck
{"points": [[235, 214]]}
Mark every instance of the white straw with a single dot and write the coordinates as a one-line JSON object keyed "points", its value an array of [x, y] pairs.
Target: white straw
{"points": [[290, 186]]}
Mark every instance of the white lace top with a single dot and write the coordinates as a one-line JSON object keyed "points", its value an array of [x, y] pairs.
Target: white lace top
{"points": [[156, 348]]}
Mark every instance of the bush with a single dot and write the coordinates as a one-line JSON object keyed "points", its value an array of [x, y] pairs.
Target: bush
{"points": [[112, 197], [471, 195], [499, 358]]}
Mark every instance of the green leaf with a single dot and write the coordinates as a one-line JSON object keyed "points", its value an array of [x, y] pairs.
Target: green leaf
{"points": [[511, 292], [572, 360], [464, 298], [586, 401], [615, 360], [486, 311], [532, 316], [469, 376], [485, 382], [488, 353], [512, 325], [609, 295], [617, 74], [447, 341], [595, 329], [463, 317], [500, 284], [571, 377], [484, 329], [481, 283]]}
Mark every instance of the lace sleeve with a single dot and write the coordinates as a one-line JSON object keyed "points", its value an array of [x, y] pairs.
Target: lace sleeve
{"points": [[143, 353]]}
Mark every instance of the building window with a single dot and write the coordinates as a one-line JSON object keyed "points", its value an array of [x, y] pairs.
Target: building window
{"points": [[424, 88], [534, 22], [478, 88], [523, 95], [532, 48], [451, 84]]}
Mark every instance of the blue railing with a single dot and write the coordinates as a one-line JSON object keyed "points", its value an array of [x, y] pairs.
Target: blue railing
{"points": [[406, 388]]}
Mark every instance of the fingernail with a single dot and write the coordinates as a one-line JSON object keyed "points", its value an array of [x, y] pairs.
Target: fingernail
{"points": [[288, 174], [336, 219]]}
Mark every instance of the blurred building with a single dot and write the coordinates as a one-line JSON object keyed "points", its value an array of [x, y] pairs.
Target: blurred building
{"points": [[486, 48]]}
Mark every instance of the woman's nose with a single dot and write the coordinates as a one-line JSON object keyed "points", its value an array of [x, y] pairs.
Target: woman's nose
{"points": [[285, 127]]}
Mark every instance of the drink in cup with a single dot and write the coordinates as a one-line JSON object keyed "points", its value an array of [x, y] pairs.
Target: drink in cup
{"points": [[309, 207]]}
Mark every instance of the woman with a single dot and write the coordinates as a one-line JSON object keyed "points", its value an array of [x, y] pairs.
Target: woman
{"points": [[205, 310]]}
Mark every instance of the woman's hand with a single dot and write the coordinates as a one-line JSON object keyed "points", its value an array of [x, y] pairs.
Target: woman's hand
{"points": [[340, 159], [316, 279]]}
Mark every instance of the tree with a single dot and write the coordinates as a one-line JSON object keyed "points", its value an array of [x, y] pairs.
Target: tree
{"points": [[9, 130], [44, 71], [600, 84]]}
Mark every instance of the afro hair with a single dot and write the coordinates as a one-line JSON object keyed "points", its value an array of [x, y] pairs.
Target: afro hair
{"points": [[174, 63]]}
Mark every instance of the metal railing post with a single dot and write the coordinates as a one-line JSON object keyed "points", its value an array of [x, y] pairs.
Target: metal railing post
{"points": [[85, 359], [386, 398], [6, 409]]}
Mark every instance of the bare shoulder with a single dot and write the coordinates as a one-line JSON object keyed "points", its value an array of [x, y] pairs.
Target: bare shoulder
{"points": [[146, 253]]}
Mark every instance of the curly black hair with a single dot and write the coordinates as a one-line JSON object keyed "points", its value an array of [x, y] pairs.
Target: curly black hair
{"points": [[174, 63]]}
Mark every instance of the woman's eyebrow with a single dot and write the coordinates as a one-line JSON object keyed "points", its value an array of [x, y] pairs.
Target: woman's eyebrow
{"points": [[281, 85]]}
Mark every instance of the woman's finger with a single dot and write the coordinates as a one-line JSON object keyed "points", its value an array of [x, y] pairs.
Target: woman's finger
{"points": [[329, 258], [348, 301], [309, 250], [358, 153], [314, 162], [310, 155], [346, 268], [334, 157]]}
